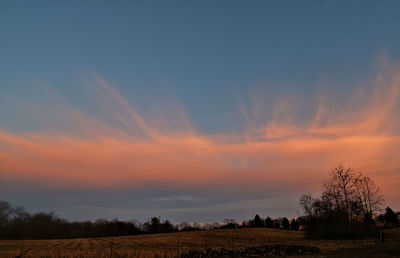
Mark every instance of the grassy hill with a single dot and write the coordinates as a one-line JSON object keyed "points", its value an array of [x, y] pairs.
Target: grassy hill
{"points": [[173, 244]]}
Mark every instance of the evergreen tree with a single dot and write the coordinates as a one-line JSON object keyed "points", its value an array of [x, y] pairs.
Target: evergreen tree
{"points": [[269, 223], [391, 217], [294, 225], [285, 223], [257, 222]]}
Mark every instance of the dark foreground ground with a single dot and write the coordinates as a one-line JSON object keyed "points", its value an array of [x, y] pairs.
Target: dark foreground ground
{"points": [[181, 244]]}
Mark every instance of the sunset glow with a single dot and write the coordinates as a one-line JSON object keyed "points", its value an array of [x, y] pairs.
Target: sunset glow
{"points": [[233, 122], [364, 133]]}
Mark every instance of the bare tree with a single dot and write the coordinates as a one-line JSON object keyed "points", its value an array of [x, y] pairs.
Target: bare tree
{"points": [[347, 196], [369, 196], [341, 187], [5, 212], [306, 201]]}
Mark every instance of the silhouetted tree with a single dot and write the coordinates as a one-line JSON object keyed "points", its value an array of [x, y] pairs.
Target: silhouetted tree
{"points": [[390, 217], [5, 211], [307, 202], [369, 197], [348, 201], [154, 225], [257, 222], [230, 223], [185, 226], [340, 190], [215, 225], [269, 223], [167, 226], [285, 223], [294, 225], [196, 226]]}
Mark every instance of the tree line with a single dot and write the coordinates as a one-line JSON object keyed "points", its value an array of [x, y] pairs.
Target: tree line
{"points": [[16, 223], [348, 206]]}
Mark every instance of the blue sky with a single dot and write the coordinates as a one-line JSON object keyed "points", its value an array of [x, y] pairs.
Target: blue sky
{"points": [[204, 50], [210, 56]]}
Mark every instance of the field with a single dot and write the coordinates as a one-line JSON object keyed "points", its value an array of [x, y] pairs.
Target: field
{"points": [[173, 244]]}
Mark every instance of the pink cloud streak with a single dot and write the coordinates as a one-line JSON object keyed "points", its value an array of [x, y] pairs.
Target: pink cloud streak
{"points": [[363, 133]]}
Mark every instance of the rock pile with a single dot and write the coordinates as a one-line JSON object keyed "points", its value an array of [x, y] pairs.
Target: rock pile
{"points": [[259, 251]]}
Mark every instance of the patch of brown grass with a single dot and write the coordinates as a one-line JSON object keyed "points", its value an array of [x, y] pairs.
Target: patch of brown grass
{"points": [[171, 244]]}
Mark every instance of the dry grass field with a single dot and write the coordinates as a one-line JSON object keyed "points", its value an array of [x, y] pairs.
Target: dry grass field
{"points": [[172, 244]]}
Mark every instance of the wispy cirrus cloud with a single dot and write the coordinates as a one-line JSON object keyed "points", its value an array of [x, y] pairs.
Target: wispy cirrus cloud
{"points": [[124, 147]]}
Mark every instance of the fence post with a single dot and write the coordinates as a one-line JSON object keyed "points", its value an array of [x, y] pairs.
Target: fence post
{"points": [[21, 250], [205, 240], [233, 247], [177, 245], [111, 246]]}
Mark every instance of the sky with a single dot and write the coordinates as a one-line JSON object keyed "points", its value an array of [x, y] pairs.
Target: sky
{"points": [[194, 110]]}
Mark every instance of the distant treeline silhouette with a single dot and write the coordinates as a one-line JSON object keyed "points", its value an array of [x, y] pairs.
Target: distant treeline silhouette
{"points": [[347, 207], [16, 223]]}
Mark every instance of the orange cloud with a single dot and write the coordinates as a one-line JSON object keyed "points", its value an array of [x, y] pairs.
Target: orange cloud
{"points": [[135, 149]]}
